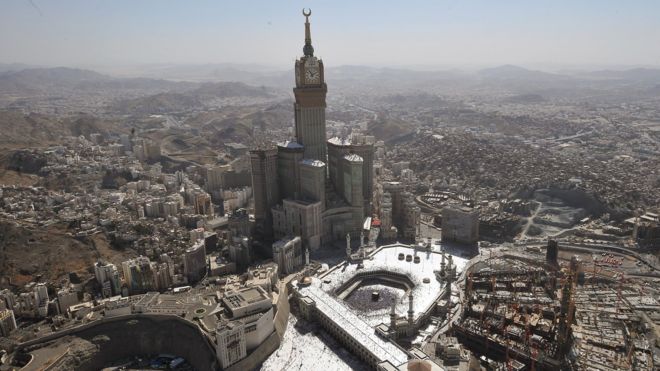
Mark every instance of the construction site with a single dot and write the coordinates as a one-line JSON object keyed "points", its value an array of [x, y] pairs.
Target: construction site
{"points": [[524, 311]]}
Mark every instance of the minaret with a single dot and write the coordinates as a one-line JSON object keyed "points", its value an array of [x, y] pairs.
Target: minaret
{"points": [[348, 245], [452, 270], [442, 265], [410, 308], [448, 294], [393, 316]]}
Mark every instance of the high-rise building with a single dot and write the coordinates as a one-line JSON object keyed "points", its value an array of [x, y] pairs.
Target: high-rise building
{"points": [[396, 190], [299, 218], [460, 224], [194, 262], [214, 177], [139, 274], [387, 229], [289, 155], [163, 276], [240, 251], [65, 299], [41, 299], [411, 216], [310, 92], [7, 299], [312, 180], [107, 275], [338, 148], [264, 186], [7, 322], [293, 195]]}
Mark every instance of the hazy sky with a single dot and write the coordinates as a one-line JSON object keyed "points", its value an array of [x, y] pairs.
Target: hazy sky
{"points": [[270, 32]]}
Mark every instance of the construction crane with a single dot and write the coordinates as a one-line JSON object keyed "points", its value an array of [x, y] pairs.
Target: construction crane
{"points": [[483, 312], [506, 336], [533, 354], [619, 300]]}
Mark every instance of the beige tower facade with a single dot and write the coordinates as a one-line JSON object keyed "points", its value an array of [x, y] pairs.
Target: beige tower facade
{"points": [[309, 108], [299, 218], [460, 224], [289, 155], [337, 149], [291, 184], [312, 180], [265, 186]]}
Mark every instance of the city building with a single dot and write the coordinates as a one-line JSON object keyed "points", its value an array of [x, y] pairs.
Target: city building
{"points": [[240, 251], [7, 299], [249, 323], [460, 224], [265, 187], [65, 299], [139, 275], [194, 262], [299, 218], [41, 299], [7, 322], [360, 146], [108, 277], [311, 187], [246, 302], [288, 254], [230, 343]]}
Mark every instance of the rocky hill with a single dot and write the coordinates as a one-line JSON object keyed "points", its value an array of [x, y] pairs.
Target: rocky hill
{"points": [[34, 129], [28, 251], [196, 99]]}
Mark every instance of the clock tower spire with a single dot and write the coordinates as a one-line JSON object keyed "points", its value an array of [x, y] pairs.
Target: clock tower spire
{"points": [[308, 49], [310, 92]]}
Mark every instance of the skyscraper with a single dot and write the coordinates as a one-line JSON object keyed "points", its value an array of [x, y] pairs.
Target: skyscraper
{"points": [[194, 262], [265, 187], [293, 195], [310, 105]]}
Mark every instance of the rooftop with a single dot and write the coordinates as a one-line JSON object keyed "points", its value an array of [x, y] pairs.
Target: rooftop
{"points": [[312, 162], [353, 158], [290, 144], [339, 141], [245, 297]]}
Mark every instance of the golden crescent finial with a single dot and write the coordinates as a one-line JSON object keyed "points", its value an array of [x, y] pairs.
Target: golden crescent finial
{"points": [[309, 12]]}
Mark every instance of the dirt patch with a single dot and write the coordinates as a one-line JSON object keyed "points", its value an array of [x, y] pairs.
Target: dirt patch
{"points": [[29, 251], [11, 177]]}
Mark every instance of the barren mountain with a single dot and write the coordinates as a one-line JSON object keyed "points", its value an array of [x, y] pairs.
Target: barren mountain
{"points": [[34, 129], [27, 251], [203, 96]]}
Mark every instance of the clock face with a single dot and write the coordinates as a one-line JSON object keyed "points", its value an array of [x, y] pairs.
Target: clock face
{"points": [[312, 75]]}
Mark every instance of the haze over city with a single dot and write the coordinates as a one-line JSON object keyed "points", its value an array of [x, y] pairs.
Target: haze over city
{"points": [[421, 34]]}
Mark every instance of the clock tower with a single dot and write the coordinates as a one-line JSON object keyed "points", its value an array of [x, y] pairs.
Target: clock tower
{"points": [[310, 105]]}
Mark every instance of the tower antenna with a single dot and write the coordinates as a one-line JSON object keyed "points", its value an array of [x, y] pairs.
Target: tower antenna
{"points": [[308, 50]]}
